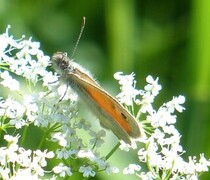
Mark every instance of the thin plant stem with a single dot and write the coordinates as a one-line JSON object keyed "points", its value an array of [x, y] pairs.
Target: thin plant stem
{"points": [[112, 151]]}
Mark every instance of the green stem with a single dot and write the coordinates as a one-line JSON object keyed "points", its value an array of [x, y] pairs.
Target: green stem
{"points": [[138, 114], [23, 137], [43, 139], [112, 151]]}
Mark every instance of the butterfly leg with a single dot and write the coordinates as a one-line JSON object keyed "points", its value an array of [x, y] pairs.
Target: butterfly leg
{"points": [[63, 94]]}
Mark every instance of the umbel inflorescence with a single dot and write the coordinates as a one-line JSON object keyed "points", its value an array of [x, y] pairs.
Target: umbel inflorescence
{"points": [[31, 95]]}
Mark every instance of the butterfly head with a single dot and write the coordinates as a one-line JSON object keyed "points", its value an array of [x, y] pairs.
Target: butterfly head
{"points": [[61, 62]]}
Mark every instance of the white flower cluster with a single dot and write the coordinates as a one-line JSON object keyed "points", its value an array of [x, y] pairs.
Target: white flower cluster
{"points": [[162, 151], [31, 95], [30, 163], [23, 70]]}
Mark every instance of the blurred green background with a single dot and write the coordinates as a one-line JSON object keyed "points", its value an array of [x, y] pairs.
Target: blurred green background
{"points": [[166, 39]]}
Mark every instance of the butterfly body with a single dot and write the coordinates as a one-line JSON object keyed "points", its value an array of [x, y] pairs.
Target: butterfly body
{"points": [[111, 114]]}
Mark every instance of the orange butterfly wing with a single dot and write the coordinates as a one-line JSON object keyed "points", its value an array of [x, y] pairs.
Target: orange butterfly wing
{"points": [[116, 117]]}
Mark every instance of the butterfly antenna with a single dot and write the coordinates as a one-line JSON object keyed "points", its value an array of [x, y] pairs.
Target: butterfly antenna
{"points": [[78, 39]]}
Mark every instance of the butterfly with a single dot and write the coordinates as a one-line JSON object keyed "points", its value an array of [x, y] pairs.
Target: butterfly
{"points": [[111, 114]]}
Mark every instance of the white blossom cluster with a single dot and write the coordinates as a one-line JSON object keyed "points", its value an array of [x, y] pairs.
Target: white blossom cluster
{"points": [[162, 151], [31, 163], [31, 95], [34, 96]]}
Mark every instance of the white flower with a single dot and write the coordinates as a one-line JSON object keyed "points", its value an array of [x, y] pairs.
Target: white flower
{"points": [[86, 154], [25, 65], [142, 154], [175, 104], [131, 169], [41, 156], [11, 139], [87, 171], [64, 153], [97, 138], [24, 157], [153, 86], [11, 108], [158, 134], [124, 146], [13, 146], [3, 156], [18, 123], [49, 79], [128, 92], [4, 172], [203, 164], [146, 102], [147, 176], [30, 103], [19, 157], [110, 169], [61, 138], [28, 48], [4, 39], [25, 174], [124, 79], [7, 44], [9, 82], [171, 130], [157, 119], [83, 124], [18, 67], [104, 165], [62, 170]]}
